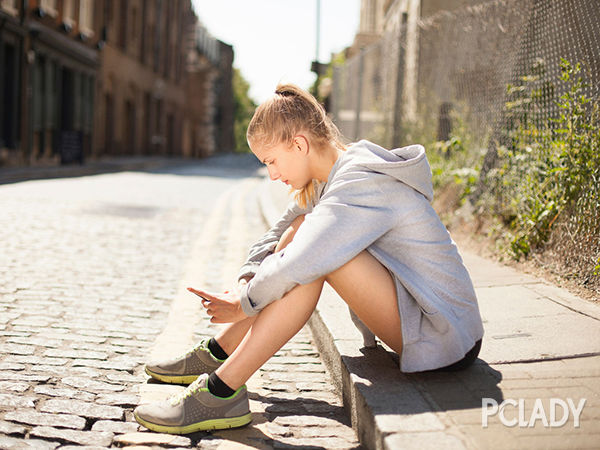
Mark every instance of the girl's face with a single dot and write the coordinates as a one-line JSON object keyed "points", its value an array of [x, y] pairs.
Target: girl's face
{"points": [[287, 163]]}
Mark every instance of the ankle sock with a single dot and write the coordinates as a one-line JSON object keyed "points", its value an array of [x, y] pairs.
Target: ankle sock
{"points": [[216, 349], [217, 387]]}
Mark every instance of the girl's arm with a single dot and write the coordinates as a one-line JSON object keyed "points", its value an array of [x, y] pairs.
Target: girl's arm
{"points": [[354, 212], [265, 246]]}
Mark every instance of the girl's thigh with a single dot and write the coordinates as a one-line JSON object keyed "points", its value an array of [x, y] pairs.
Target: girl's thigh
{"points": [[370, 291]]}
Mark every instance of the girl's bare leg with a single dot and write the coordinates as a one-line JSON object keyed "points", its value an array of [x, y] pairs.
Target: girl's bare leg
{"points": [[365, 285], [274, 326], [231, 336], [370, 291]]}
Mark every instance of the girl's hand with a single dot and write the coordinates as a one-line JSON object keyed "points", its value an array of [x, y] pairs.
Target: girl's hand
{"points": [[222, 308]]}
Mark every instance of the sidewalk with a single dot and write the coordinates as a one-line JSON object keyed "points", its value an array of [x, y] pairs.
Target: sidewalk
{"points": [[540, 354], [104, 165]]}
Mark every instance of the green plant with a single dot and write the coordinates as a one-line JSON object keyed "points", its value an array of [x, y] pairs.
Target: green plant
{"points": [[549, 161], [244, 108], [457, 160]]}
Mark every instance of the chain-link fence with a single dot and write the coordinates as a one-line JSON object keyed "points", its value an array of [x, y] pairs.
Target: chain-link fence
{"points": [[494, 71]]}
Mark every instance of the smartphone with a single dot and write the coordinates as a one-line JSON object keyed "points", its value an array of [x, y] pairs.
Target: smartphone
{"points": [[193, 291]]}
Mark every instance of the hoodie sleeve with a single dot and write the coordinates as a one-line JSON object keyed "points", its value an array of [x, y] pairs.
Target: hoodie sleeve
{"points": [[352, 214], [265, 246]]}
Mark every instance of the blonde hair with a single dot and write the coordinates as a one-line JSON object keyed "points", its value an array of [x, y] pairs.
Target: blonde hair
{"points": [[289, 112]]}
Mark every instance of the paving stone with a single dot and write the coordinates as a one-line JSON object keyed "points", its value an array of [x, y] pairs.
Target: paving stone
{"points": [[115, 427], [88, 384], [30, 417], [81, 337], [17, 376], [84, 447], [275, 429], [14, 333], [31, 322], [77, 437], [64, 392], [294, 376], [130, 343], [104, 334], [125, 400], [82, 408], [37, 360], [9, 443], [17, 401], [125, 377], [313, 442], [11, 366], [114, 365], [138, 438], [308, 368], [38, 342], [13, 386], [17, 349], [11, 428], [76, 354], [305, 421], [295, 360], [306, 386], [64, 371]]}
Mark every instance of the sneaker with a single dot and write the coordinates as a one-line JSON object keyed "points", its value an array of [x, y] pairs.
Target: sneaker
{"points": [[196, 409], [186, 368]]}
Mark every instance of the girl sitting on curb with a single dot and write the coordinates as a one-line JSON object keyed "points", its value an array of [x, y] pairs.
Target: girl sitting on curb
{"points": [[363, 223]]}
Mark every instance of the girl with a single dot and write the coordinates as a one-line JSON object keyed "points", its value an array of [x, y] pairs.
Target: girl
{"points": [[363, 223]]}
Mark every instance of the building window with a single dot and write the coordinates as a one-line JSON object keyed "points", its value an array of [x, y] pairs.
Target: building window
{"points": [[49, 7], [69, 13], [123, 27], [86, 17], [10, 6], [134, 19]]}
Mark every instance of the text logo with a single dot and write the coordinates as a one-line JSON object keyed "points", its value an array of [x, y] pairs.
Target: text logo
{"points": [[511, 412]]}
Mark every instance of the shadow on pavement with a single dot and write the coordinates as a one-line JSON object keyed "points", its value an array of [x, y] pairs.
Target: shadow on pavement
{"points": [[390, 391], [232, 166]]}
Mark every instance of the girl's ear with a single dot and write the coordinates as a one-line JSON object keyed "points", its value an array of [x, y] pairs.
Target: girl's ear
{"points": [[301, 144]]}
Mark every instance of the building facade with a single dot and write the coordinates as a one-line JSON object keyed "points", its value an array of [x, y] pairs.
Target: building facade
{"points": [[49, 54], [87, 79]]}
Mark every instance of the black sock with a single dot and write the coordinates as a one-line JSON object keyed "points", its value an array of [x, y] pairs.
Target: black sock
{"points": [[217, 387], [216, 349]]}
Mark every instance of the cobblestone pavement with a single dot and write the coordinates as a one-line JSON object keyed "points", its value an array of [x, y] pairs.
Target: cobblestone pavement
{"points": [[92, 277]]}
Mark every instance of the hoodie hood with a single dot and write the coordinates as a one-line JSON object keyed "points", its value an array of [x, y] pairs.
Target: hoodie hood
{"points": [[406, 164]]}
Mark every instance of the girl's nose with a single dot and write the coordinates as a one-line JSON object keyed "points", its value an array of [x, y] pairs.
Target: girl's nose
{"points": [[273, 173]]}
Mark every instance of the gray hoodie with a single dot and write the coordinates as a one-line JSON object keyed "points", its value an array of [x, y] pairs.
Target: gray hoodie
{"points": [[378, 200]]}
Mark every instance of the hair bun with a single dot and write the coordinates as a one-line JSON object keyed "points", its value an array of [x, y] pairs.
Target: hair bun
{"points": [[286, 91]]}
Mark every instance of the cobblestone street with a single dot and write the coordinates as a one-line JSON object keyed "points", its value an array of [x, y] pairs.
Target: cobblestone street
{"points": [[93, 273]]}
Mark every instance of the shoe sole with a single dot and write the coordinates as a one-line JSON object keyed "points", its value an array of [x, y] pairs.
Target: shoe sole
{"points": [[173, 379], [205, 425]]}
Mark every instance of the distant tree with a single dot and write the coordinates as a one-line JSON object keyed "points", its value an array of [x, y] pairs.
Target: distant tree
{"points": [[244, 107]]}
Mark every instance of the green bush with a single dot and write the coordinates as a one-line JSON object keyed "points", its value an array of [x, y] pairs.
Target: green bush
{"points": [[244, 108], [549, 162]]}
